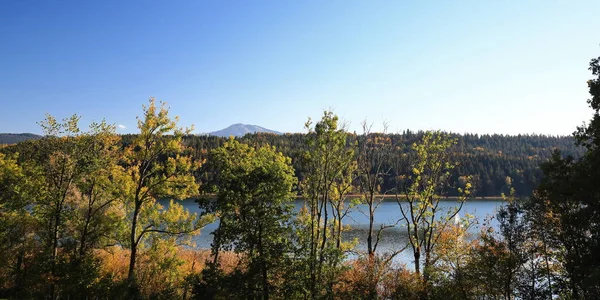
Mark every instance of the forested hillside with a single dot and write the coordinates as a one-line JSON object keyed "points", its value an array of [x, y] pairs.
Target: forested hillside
{"points": [[488, 158], [13, 138]]}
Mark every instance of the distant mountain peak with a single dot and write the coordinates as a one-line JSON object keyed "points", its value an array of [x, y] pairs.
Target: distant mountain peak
{"points": [[239, 130]]}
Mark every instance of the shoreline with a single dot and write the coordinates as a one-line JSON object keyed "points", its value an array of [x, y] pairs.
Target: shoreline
{"points": [[385, 197]]}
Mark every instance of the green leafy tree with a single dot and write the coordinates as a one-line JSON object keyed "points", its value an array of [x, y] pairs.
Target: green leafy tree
{"points": [[512, 229], [568, 198], [18, 225], [253, 187], [94, 213], [510, 263], [61, 163], [96, 209], [500, 258]]}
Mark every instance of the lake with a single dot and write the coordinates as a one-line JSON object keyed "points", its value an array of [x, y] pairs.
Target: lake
{"points": [[387, 213]]}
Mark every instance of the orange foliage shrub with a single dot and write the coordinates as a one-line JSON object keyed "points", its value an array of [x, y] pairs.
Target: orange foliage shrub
{"points": [[400, 283], [163, 271], [377, 278]]}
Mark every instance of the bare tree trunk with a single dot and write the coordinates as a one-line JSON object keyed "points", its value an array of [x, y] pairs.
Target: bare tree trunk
{"points": [[370, 249]]}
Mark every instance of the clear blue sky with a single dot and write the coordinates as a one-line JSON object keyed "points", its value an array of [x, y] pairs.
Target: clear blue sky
{"points": [[483, 66]]}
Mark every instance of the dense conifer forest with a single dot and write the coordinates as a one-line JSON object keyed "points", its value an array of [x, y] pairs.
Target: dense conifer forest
{"points": [[488, 158]]}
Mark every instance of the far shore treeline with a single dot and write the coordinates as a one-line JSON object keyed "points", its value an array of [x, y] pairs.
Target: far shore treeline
{"points": [[80, 216], [488, 158]]}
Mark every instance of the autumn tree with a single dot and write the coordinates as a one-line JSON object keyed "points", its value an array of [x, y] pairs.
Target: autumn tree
{"points": [[373, 160], [48, 200], [156, 170], [328, 163], [450, 275], [419, 196], [373, 152]]}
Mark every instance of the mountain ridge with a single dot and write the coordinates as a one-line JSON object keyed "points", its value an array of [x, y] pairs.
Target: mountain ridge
{"points": [[14, 138], [239, 130]]}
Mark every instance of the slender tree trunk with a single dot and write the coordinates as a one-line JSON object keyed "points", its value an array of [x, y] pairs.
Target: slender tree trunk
{"points": [[55, 239], [548, 272], [263, 264], [133, 241], [507, 289], [18, 270], [370, 234], [54, 253], [324, 241], [84, 233], [417, 255], [426, 266], [374, 278], [339, 226], [417, 250], [313, 246], [216, 247]]}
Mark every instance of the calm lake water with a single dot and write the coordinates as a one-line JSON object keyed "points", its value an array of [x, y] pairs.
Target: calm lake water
{"points": [[387, 213]]}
